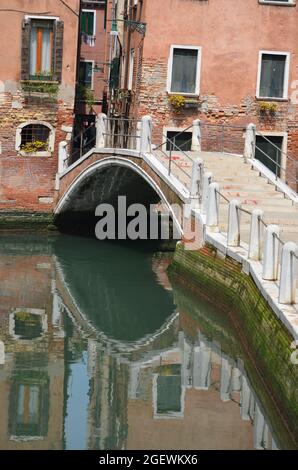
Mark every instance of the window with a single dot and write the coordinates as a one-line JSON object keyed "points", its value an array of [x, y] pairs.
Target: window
{"points": [[131, 67], [86, 74], [41, 48], [88, 22], [183, 74], [273, 75], [35, 137], [183, 140], [35, 133], [269, 153]]}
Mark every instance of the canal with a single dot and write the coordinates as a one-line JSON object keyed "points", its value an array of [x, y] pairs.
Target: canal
{"points": [[100, 349]]}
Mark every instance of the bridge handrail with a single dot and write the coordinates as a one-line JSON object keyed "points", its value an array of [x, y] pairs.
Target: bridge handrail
{"points": [[288, 175]]}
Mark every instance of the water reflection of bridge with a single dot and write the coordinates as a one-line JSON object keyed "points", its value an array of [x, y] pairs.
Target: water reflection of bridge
{"points": [[161, 389]]}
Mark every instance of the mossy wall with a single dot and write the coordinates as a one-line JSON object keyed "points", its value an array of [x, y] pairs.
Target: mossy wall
{"points": [[19, 220], [263, 336]]}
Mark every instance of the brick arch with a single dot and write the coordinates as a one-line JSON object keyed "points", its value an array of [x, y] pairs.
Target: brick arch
{"points": [[71, 181]]}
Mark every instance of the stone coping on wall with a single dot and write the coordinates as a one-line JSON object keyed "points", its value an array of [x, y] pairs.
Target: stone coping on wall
{"points": [[288, 314]]}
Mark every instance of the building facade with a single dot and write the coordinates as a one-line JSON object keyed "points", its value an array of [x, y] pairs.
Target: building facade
{"points": [[225, 62], [37, 93]]}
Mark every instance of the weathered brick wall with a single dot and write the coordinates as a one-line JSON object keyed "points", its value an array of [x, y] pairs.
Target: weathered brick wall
{"points": [[264, 338], [152, 99], [28, 182]]}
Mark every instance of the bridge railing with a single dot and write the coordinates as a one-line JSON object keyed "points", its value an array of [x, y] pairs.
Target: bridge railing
{"points": [[279, 259], [122, 133]]}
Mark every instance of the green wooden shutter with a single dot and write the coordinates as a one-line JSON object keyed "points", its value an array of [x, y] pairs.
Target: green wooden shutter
{"points": [[58, 50], [25, 59]]}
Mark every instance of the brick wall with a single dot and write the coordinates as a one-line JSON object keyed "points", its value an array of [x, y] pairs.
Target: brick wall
{"points": [[28, 182]]}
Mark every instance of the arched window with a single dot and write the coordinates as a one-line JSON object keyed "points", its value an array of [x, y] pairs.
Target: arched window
{"points": [[35, 138]]}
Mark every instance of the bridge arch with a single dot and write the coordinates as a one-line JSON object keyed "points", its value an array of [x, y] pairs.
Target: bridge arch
{"points": [[106, 163]]}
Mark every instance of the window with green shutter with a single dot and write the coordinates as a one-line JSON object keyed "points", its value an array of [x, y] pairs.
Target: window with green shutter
{"points": [[88, 22]]}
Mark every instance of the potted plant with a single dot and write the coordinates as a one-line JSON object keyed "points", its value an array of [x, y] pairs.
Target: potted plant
{"points": [[34, 147], [177, 102], [267, 108]]}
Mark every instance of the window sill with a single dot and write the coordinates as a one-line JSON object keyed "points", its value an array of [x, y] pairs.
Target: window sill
{"points": [[278, 4], [280, 100], [34, 154]]}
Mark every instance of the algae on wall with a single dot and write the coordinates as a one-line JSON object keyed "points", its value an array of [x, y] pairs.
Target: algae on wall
{"points": [[264, 339]]}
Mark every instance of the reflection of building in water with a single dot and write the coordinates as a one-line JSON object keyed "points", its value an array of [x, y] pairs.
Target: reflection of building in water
{"points": [[188, 396], [201, 399], [32, 370]]}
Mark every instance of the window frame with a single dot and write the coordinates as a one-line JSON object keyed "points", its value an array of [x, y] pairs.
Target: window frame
{"points": [[51, 143], [198, 69], [285, 96], [284, 149], [278, 3], [92, 61], [33, 311], [86, 10], [131, 69]]}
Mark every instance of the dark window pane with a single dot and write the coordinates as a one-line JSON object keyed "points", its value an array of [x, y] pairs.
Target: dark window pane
{"points": [[184, 71], [85, 74], [169, 394], [183, 141], [273, 155], [33, 133], [272, 76]]}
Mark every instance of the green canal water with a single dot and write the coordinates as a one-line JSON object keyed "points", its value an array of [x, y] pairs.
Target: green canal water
{"points": [[99, 350]]}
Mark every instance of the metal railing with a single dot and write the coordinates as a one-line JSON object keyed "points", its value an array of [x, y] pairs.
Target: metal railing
{"points": [[81, 143], [222, 138], [122, 133]]}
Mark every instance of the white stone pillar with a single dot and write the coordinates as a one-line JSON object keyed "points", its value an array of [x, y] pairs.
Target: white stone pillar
{"points": [[259, 425], [196, 136], [225, 379], [186, 352], [270, 254], [255, 240], [2, 353], [245, 400], [288, 274], [250, 140], [146, 134], [207, 180], [197, 179], [202, 365], [234, 223], [101, 130], [62, 157], [213, 206], [236, 380]]}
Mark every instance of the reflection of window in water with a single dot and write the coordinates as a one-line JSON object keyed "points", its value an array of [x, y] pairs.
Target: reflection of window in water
{"points": [[168, 390], [27, 325], [29, 404]]}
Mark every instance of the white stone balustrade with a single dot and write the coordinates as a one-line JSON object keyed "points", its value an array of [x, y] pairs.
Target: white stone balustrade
{"points": [[270, 254], [255, 240], [197, 179], [213, 207], [101, 130], [146, 135], [2, 353], [288, 275], [250, 139], [207, 180], [234, 223], [62, 157], [196, 136]]}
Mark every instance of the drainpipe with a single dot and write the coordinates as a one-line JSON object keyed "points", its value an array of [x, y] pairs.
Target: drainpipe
{"points": [[78, 53]]}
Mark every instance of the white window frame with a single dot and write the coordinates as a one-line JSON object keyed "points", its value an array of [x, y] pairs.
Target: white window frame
{"points": [[93, 65], [94, 21], [289, 3], [283, 159], [286, 76], [170, 69], [37, 154], [131, 68]]}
